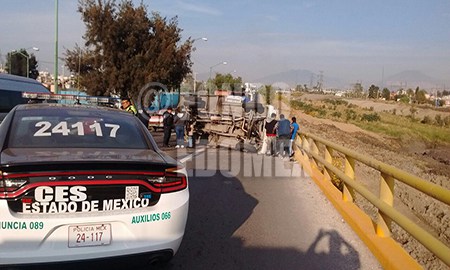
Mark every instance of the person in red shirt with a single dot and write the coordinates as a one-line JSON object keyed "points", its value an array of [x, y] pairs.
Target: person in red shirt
{"points": [[271, 134]]}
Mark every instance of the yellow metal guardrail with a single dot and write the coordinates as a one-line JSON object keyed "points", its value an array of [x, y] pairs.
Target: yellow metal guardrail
{"points": [[317, 158]]}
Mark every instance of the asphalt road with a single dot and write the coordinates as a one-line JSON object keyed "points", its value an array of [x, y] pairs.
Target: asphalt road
{"points": [[250, 211]]}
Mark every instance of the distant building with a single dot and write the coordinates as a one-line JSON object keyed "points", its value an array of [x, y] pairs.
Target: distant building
{"points": [[446, 100]]}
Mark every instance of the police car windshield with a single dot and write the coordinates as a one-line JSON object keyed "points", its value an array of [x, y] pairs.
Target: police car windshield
{"points": [[75, 128]]}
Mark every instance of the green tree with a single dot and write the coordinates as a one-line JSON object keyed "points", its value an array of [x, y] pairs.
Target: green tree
{"points": [[299, 88], [227, 82], [374, 91], [403, 98], [386, 94], [410, 93], [421, 96], [358, 90], [416, 93], [268, 94], [125, 49], [16, 64]]}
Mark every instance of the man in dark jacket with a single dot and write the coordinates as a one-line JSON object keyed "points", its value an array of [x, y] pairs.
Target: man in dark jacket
{"points": [[168, 125], [284, 135]]}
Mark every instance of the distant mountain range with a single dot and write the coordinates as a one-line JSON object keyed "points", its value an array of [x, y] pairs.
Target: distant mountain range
{"points": [[291, 78], [412, 79], [405, 79], [298, 76]]}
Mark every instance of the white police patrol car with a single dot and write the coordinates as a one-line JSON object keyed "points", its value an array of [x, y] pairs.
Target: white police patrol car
{"points": [[81, 183]]}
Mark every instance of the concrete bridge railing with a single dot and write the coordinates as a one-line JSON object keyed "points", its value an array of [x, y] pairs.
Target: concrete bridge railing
{"points": [[318, 158]]}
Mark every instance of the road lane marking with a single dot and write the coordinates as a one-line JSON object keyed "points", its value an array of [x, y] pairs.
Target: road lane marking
{"points": [[190, 156]]}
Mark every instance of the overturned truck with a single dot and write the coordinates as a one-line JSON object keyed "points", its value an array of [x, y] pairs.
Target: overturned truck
{"points": [[226, 120]]}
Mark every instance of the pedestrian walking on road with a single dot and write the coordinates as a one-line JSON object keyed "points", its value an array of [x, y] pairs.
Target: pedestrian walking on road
{"points": [[168, 126], [294, 129], [180, 121]]}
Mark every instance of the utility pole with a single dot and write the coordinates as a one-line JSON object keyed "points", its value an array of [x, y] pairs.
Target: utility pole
{"points": [[1, 61], [56, 48], [79, 68]]}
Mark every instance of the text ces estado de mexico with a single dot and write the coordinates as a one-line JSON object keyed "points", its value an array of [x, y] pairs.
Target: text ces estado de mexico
{"points": [[65, 199]]}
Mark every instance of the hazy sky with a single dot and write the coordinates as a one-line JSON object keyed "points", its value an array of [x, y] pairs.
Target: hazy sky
{"points": [[349, 39]]}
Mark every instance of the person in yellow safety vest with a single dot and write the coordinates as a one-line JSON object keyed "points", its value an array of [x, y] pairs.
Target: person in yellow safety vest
{"points": [[127, 106]]}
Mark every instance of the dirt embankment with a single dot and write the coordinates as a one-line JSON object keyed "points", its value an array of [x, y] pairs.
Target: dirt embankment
{"points": [[431, 163]]}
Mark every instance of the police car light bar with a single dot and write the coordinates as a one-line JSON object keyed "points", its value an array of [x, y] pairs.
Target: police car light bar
{"points": [[91, 99]]}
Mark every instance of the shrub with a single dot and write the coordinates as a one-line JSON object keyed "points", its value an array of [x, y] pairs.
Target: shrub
{"points": [[447, 120], [331, 101], [350, 115], [438, 120], [336, 114], [308, 108], [426, 120], [296, 104], [322, 113], [404, 99], [336, 102], [373, 117]]}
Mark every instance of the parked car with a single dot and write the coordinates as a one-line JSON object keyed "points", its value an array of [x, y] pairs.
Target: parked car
{"points": [[11, 89], [81, 183]]}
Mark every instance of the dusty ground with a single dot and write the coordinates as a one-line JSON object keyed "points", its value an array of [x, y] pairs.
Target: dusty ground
{"points": [[429, 163]]}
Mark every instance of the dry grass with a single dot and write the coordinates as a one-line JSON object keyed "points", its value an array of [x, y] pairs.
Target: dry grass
{"points": [[372, 119]]}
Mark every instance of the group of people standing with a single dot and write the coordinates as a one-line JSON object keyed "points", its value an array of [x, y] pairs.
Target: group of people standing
{"points": [[177, 121], [280, 135], [171, 121]]}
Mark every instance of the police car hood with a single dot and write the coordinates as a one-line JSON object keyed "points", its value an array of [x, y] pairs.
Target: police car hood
{"points": [[16, 156]]}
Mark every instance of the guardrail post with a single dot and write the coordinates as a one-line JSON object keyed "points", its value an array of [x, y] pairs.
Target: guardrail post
{"points": [[348, 193], [314, 149], [329, 159], [297, 141], [305, 143], [383, 227]]}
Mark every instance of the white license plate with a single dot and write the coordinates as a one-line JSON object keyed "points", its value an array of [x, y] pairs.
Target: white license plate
{"points": [[89, 235]]}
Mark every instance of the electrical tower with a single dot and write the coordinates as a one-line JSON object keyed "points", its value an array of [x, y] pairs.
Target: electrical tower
{"points": [[320, 81]]}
